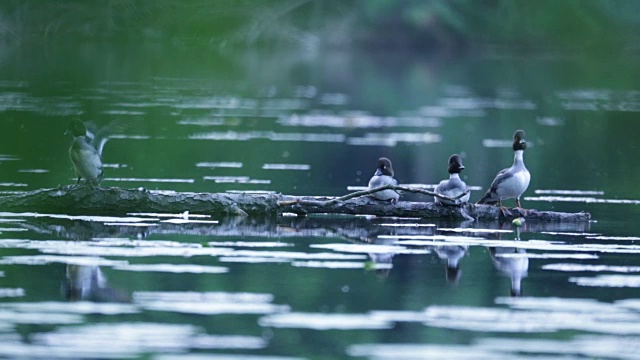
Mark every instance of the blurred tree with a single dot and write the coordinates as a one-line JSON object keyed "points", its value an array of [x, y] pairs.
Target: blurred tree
{"points": [[415, 24]]}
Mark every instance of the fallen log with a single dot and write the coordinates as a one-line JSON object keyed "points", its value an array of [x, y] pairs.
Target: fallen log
{"points": [[87, 200]]}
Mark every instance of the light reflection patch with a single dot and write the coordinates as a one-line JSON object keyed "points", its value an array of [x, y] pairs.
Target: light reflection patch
{"points": [[608, 281], [340, 265], [131, 340], [562, 256], [219, 356], [188, 221], [406, 225], [422, 351], [252, 259], [365, 248], [174, 268], [101, 219], [154, 180], [124, 248], [473, 230], [321, 321], [235, 180], [286, 167], [568, 192], [213, 165], [209, 303], [615, 238], [34, 171], [507, 348], [295, 255], [76, 307], [11, 316], [69, 260], [266, 244], [195, 296], [438, 240], [587, 200], [593, 268], [11, 292]]}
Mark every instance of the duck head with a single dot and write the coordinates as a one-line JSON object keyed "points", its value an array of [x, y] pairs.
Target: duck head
{"points": [[455, 164], [384, 167], [76, 128], [518, 140]]}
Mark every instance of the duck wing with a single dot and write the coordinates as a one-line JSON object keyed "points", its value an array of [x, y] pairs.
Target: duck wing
{"points": [[491, 197]]}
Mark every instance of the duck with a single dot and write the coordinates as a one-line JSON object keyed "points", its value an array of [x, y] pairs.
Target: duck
{"points": [[85, 157], [384, 176], [512, 182], [454, 186]]}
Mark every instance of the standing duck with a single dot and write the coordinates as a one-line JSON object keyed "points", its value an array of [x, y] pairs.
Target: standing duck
{"points": [[511, 182], [84, 156]]}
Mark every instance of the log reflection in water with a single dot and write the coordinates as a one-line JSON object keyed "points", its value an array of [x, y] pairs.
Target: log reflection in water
{"points": [[89, 283]]}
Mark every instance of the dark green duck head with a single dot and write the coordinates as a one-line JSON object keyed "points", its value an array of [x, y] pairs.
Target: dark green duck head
{"points": [[76, 128], [518, 140]]}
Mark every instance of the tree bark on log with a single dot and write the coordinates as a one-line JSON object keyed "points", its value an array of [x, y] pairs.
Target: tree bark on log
{"points": [[87, 200]]}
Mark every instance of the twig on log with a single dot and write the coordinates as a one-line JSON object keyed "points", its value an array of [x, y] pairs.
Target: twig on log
{"points": [[375, 190]]}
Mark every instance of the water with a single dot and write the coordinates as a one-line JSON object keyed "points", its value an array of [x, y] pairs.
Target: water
{"points": [[162, 285]]}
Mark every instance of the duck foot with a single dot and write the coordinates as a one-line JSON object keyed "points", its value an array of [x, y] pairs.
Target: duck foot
{"points": [[505, 212]]}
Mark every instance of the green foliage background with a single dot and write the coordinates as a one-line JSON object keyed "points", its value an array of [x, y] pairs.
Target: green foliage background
{"points": [[449, 24]]}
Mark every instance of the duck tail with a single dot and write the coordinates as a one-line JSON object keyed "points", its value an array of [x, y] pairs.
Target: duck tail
{"points": [[489, 198]]}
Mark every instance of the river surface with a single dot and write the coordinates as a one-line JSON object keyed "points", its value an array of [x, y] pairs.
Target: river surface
{"points": [[159, 286]]}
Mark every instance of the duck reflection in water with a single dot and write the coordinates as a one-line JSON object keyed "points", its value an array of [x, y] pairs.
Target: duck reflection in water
{"points": [[367, 231], [88, 283], [453, 255], [512, 261], [383, 262]]}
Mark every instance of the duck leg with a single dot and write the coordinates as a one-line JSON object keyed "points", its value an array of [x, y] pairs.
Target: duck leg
{"points": [[504, 210], [521, 211]]}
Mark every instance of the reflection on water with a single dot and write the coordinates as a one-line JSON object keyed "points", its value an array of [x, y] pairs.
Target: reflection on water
{"points": [[188, 181], [235, 165], [581, 200], [90, 284], [358, 120], [286, 167], [236, 180], [453, 256], [317, 321], [103, 271], [514, 263], [191, 286]]}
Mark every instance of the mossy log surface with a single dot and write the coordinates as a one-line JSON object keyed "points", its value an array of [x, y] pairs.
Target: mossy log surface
{"points": [[85, 200]]}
